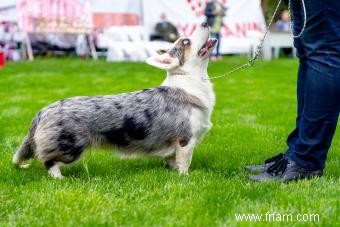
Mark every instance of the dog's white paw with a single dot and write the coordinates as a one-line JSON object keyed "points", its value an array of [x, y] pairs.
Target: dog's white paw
{"points": [[183, 172], [56, 176], [24, 166], [55, 173]]}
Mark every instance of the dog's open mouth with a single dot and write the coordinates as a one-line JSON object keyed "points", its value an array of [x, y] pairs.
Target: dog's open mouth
{"points": [[207, 47]]}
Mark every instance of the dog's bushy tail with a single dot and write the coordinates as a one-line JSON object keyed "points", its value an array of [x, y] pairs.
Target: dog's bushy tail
{"points": [[25, 151]]}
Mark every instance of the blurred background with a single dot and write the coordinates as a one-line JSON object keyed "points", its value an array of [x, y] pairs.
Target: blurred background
{"points": [[132, 30], [47, 49]]}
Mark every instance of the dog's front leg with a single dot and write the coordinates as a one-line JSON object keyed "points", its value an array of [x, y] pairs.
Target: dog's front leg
{"points": [[183, 157]]}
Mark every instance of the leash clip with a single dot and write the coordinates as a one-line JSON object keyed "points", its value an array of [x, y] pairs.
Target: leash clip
{"points": [[251, 62]]}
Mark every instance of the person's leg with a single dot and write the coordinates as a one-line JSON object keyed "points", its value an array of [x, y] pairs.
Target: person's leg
{"points": [[319, 106], [318, 92], [298, 17], [319, 118], [301, 82], [215, 53], [213, 35], [218, 37]]}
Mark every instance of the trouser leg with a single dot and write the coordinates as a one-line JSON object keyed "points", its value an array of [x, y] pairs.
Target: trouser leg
{"points": [[297, 14], [318, 119], [216, 51], [218, 37], [319, 92], [294, 135]]}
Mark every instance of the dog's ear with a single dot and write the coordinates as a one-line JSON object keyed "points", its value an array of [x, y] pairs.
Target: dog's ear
{"points": [[163, 61]]}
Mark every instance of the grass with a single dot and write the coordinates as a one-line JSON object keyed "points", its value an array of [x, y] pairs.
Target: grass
{"points": [[255, 111]]}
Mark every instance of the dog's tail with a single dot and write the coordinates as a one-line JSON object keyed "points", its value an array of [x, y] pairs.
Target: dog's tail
{"points": [[25, 151]]}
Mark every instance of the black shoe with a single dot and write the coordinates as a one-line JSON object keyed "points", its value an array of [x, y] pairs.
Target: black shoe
{"points": [[296, 172], [265, 166], [286, 170]]}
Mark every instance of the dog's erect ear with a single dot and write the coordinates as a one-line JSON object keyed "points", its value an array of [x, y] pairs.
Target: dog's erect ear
{"points": [[163, 61]]}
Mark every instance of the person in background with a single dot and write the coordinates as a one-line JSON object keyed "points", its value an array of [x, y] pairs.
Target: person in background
{"points": [[165, 30], [283, 25], [214, 12]]}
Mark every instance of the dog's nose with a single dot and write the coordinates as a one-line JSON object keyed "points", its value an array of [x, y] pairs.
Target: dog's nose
{"points": [[204, 25]]}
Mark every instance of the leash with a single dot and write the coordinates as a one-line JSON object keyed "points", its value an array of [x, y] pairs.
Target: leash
{"points": [[304, 21], [252, 60]]}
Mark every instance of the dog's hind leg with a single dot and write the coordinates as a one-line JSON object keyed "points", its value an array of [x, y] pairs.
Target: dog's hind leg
{"points": [[184, 156], [171, 162], [53, 168], [60, 148], [61, 158]]}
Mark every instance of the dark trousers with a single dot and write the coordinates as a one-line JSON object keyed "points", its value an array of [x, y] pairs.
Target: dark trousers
{"points": [[216, 51], [318, 87]]}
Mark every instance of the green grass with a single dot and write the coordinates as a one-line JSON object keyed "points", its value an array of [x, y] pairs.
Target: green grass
{"points": [[255, 111]]}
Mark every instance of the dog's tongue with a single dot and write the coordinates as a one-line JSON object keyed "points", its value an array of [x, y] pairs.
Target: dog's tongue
{"points": [[205, 48]]}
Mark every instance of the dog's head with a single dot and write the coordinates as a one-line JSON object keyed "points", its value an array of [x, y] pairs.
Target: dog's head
{"points": [[188, 54]]}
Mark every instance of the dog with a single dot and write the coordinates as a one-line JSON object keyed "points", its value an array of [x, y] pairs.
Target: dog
{"points": [[165, 121]]}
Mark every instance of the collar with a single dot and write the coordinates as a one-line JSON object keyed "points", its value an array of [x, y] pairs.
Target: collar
{"points": [[179, 72]]}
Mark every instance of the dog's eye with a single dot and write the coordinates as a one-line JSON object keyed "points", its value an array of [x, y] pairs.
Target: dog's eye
{"points": [[186, 42], [161, 51]]}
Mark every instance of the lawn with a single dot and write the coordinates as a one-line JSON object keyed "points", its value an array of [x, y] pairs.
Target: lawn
{"points": [[255, 110]]}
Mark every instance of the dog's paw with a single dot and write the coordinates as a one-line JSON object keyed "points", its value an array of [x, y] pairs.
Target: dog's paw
{"points": [[24, 166], [57, 177], [184, 172], [55, 173], [171, 165]]}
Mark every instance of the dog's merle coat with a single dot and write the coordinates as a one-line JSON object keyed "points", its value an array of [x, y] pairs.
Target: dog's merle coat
{"points": [[166, 121], [132, 121]]}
